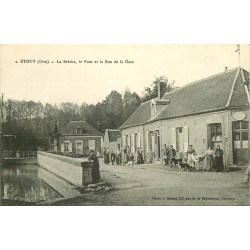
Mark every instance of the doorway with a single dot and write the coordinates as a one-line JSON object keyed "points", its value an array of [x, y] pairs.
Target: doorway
{"points": [[240, 142]]}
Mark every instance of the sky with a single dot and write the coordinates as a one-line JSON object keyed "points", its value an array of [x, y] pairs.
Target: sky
{"points": [[92, 82]]}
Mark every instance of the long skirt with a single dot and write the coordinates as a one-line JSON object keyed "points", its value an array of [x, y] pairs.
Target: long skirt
{"points": [[209, 162], [118, 159], [218, 162], [95, 173], [139, 158]]}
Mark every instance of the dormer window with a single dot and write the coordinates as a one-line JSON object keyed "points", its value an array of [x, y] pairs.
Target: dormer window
{"points": [[80, 131]]}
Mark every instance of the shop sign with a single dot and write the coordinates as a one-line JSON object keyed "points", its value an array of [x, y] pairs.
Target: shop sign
{"points": [[239, 116]]}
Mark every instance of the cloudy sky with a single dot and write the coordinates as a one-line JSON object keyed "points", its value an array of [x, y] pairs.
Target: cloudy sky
{"points": [[92, 82]]}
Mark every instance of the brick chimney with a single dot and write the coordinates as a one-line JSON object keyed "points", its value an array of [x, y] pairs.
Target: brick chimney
{"points": [[226, 68], [159, 90]]}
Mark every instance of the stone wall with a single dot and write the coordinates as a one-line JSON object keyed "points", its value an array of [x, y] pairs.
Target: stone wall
{"points": [[70, 169]]}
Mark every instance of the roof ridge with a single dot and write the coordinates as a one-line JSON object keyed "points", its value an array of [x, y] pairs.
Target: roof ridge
{"points": [[206, 78], [78, 121]]}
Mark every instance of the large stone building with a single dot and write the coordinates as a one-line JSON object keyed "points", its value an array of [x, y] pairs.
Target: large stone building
{"points": [[209, 112], [78, 138]]}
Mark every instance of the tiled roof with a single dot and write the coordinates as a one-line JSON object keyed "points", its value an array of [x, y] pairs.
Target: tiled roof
{"points": [[113, 135], [141, 115], [209, 94], [70, 128]]}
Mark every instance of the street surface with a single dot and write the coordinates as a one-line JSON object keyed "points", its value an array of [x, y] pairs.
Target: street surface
{"points": [[160, 185]]}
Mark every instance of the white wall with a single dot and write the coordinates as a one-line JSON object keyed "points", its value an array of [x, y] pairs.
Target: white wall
{"points": [[65, 167]]}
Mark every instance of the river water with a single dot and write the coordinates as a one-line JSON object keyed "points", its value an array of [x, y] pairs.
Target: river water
{"points": [[32, 184]]}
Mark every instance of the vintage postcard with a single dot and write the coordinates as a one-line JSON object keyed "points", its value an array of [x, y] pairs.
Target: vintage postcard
{"points": [[125, 125]]}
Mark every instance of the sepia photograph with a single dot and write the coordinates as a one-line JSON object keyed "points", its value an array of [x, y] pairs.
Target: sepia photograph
{"points": [[125, 125]]}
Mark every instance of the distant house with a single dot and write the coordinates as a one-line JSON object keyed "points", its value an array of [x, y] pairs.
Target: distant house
{"points": [[78, 138], [112, 139]]}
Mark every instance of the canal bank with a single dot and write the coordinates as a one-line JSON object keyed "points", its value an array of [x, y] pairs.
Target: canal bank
{"points": [[45, 178]]}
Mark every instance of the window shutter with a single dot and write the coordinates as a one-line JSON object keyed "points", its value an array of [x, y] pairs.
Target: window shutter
{"points": [[139, 140], [209, 136], [133, 143], [174, 138], [62, 147], [185, 135], [124, 141], [70, 146], [153, 142], [147, 134], [129, 141]]}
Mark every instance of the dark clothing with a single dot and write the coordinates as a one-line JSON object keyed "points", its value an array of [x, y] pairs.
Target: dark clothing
{"points": [[112, 156], [104, 154], [172, 154], [131, 158], [218, 160], [118, 158], [125, 156], [95, 170], [139, 158], [106, 158]]}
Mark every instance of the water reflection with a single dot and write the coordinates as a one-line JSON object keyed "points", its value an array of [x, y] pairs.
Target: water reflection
{"points": [[32, 183]]}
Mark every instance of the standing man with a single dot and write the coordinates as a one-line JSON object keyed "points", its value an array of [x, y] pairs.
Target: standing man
{"points": [[165, 154], [172, 154]]}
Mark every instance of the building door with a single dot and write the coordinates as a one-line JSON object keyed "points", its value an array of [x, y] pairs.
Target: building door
{"points": [[79, 147], [240, 142], [157, 145]]}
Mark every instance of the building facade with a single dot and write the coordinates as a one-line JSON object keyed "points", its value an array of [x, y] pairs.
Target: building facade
{"points": [[210, 112], [78, 138], [112, 139]]}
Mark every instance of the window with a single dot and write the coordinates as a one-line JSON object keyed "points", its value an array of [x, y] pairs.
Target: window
{"points": [[216, 132], [66, 146]]}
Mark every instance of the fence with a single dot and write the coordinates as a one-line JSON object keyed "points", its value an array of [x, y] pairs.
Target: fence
{"points": [[21, 154]]}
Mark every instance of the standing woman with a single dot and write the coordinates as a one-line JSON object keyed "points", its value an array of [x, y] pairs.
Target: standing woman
{"points": [[95, 169], [104, 156], [118, 157], [219, 165], [108, 156], [125, 155], [138, 160], [209, 159], [141, 155]]}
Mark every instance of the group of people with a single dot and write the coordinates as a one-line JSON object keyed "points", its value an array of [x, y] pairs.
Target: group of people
{"points": [[213, 158], [112, 157], [122, 158], [130, 158]]}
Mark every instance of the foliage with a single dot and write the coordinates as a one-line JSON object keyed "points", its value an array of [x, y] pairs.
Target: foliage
{"points": [[33, 123], [152, 91]]}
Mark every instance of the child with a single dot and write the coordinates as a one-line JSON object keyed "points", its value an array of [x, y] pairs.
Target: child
{"points": [[131, 160], [112, 156]]}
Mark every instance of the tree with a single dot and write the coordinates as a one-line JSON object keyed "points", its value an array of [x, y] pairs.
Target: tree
{"points": [[114, 110], [152, 91], [131, 101]]}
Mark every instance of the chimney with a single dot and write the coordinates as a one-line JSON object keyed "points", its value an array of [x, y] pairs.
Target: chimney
{"points": [[226, 69], [159, 90]]}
